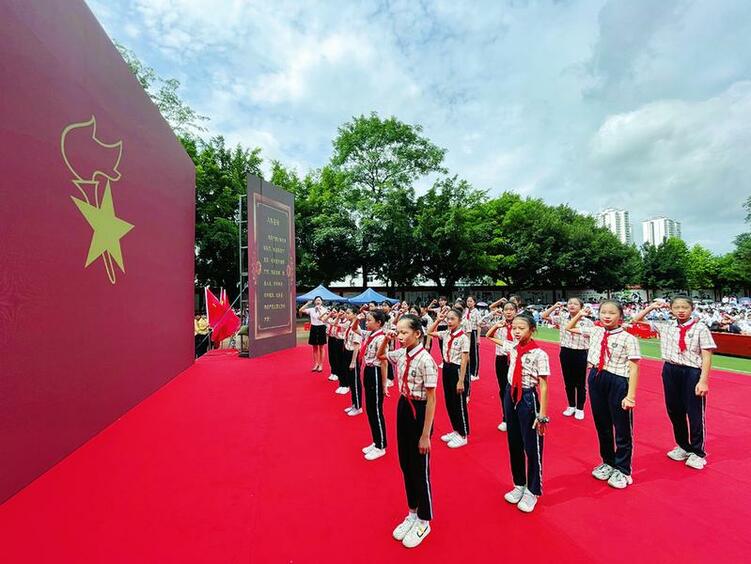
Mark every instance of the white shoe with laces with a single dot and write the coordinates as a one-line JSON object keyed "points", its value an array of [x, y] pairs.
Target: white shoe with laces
{"points": [[348, 409], [457, 442], [375, 453], [579, 414], [448, 436], [503, 427], [403, 528], [333, 378], [696, 462], [619, 480], [417, 534], [515, 496], [569, 411], [390, 384], [528, 502], [678, 454], [353, 412], [603, 472], [474, 378], [368, 448], [342, 391]]}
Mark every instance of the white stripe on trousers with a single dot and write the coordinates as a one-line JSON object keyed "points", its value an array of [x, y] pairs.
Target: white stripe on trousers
{"points": [[355, 382], [377, 404], [427, 483], [462, 408], [537, 438], [703, 424]]}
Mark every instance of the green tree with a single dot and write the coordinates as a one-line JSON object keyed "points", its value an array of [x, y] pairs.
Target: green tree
{"points": [[221, 178], [324, 229], [452, 233], [665, 266], [164, 93], [380, 157], [701, 268]]}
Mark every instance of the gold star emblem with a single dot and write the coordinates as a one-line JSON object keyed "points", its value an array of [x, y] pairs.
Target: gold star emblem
{"points": [[108, 228]]}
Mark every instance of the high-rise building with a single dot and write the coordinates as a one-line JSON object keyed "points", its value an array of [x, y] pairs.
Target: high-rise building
{"points": [[618, 222], [657, 230]]}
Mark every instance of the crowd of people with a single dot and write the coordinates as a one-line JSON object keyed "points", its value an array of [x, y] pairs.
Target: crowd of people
{"points": [[379, 349]]}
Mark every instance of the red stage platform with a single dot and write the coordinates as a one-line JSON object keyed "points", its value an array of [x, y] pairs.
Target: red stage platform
{"points": [[254, 461]]}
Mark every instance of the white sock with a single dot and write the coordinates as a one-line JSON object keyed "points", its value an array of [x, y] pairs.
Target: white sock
{"points": [[413, 514]]}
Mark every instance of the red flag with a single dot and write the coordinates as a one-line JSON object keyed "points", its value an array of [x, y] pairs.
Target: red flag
{"points": [[214, 308], [223, 297], [226, 326]]}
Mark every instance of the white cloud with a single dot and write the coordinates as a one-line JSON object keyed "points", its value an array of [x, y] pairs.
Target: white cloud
{"points": [[640, 104]]}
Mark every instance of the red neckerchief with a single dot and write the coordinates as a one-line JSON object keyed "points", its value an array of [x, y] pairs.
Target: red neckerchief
{"points": [[372, 336], [683, 329], [468, 311], [516, 381], [509, 336], [405, 387], [604, 349], [453, 336]]}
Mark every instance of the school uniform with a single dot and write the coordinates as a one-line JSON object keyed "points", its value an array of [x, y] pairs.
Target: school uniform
{"points": [[502, 363], [455, 344], [609, 355], [317, 335], [351, 339], [442, 325], [681, 347], [426, 321], [471, 324], [333, 348], [373, 385], [417, 372], [522, 405], [573, 356]]}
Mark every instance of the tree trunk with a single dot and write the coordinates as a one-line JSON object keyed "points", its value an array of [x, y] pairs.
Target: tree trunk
{"points": [[364, 277]]}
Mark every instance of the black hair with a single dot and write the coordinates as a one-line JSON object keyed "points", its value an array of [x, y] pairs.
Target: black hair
{"points": [[444, 298], [516, 298], [684, 298], [378, 316], [528, 319], [474, 299], [512, 304], [414, 323], [458, 311], [352, 308], [616, 303], [581, 303]]}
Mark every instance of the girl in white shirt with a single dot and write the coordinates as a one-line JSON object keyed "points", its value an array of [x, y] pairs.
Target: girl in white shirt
{"points": [[317, 337]]}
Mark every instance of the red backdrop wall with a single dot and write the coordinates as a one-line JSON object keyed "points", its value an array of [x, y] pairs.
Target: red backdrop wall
{"points": [[76, 349]]}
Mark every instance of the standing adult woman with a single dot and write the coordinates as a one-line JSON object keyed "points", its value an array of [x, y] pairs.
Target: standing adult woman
{"points": [[317, 337]]}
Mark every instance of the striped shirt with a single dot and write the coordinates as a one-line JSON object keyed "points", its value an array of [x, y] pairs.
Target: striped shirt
{"points": [[623, 346], [351, 338], [330, 326], [459, 345], [569, 340], [698, 338], [423, 371], [535, 365], [471, 319], [502, 333], [371, 352]]}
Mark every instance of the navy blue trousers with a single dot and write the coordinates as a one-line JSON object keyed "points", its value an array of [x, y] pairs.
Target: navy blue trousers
{"points": [[456, 404], [415, 466], [374, 404], [501, 373], [524, 444], [473, 369], [685, 408], [613, 423], [353, 381]]}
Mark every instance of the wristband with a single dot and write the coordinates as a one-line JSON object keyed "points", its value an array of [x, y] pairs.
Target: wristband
{"points": [[541, 419]]}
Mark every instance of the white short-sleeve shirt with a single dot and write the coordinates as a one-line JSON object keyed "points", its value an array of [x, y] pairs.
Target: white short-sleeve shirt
{"points": [[315, 314], [698, 338], [423, 371], [622, 347]]}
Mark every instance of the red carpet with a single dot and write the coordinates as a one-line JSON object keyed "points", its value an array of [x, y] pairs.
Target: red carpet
{"points": [[254, 461]]}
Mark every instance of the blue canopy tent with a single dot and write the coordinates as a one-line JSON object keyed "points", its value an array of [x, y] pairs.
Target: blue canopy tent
{"points": [[322, 292], [370, 295]]}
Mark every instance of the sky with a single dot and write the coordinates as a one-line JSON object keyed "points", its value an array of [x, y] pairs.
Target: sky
{"points": [[632, 104]]}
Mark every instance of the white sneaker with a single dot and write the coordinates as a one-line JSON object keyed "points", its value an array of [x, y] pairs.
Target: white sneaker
{"points": [[440, 365], [678, 454], [569, 411], [448, 436], [515, 495], [603, 472], [368, 448], [353, 412], [579, 414], [342, 391], [695, 461], [619, 480], [474, 378], [502, 427], [348, 409], [457, 442], [333, 378], [528, 502], [375, 453], [403, 528], [417, 534], [389, 383]]}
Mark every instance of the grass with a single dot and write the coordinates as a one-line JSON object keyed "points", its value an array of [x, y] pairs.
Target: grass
{"points": [[650, 348]]}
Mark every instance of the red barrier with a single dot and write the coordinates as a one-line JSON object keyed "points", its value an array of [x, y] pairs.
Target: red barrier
{"points": [[733, 345]]}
